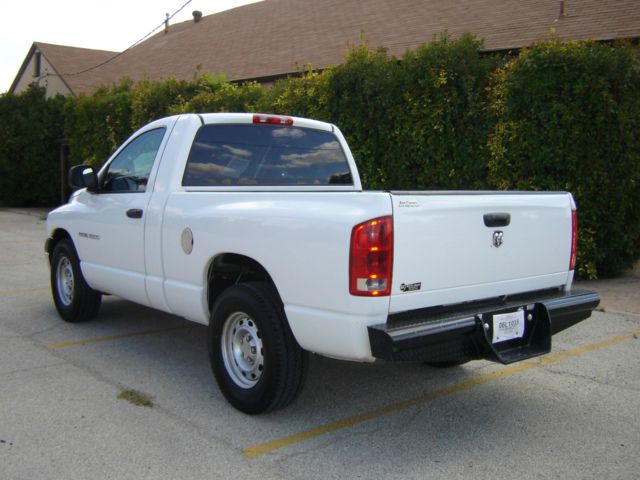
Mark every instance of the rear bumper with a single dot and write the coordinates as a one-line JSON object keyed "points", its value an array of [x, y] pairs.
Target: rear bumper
{"points": [[464, 332]]}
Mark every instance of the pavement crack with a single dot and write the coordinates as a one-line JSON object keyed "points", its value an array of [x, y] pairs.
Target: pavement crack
{"points": [[30, 369], [636, 316], [157, 406], [364, 431], [588, 378], [44, 330], [15, 332]]}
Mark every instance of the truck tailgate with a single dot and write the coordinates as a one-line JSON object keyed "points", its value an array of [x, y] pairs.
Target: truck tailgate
{"points": [[453, 247]]}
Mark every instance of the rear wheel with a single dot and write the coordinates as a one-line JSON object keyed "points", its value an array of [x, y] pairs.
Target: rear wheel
{"points": [[74, 299], [257, 362]]}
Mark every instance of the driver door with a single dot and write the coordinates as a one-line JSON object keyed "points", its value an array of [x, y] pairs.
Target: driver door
{"points": [[113, 244]]}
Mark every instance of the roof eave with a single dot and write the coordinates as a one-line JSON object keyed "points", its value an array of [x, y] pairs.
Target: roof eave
{"points": [[58, 74], [23, 67]]}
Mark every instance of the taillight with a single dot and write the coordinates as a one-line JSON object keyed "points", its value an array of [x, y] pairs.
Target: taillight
{"points": [[272, 120], [371, 257], [574, 239]]}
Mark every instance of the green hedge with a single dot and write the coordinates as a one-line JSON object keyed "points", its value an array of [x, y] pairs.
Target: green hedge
{"points": [[419, 122], [95, 125], [437, 118], [30, 126], [302, 96], [558, 116], [214, 94], [360, 97], [152, 100], [569, 119]]}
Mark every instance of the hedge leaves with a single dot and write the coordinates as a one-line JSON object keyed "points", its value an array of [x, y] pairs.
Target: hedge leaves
{"points": [[558, 116]]}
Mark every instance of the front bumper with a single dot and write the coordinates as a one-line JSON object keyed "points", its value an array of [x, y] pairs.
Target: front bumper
{"points": [[464, 332]]}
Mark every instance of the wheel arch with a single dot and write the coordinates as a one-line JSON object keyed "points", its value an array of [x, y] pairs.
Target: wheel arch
{"points": [[227, 269], [56, 237]]}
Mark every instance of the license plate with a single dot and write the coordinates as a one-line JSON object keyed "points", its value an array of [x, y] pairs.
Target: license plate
{"points": [[507, 326]]}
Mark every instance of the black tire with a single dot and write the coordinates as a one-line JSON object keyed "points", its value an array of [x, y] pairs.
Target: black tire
{"points": [[74, 299], [255, 358]]}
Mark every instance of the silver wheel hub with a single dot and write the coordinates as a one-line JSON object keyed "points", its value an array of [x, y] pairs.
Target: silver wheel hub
{"points": [[64, 281], [242, 350]]}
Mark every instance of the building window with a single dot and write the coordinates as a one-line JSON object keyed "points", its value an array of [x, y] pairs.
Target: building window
{"points": [[37, 61]]}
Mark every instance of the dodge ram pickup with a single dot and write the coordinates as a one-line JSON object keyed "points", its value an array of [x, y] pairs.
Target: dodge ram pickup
{"points": [[258, 226]]}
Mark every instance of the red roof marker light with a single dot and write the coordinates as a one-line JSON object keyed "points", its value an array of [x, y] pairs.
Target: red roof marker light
{"points": [[272, 120]]}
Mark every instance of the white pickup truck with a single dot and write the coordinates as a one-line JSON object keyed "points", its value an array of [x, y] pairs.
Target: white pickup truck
{"points": [[257, 225]]}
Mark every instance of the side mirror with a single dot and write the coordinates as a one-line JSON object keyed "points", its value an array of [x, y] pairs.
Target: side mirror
{"points": [[83, 176]]}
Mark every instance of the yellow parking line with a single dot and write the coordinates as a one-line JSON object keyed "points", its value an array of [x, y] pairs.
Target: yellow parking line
{"points": [[23, 290], [263, 448], [107, 338]]}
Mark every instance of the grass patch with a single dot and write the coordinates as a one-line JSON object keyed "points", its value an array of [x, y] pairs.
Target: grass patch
{"points": [[136, 398]]}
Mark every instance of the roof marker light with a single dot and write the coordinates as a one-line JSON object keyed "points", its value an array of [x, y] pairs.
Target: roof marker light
{"points": [[272, 120]]}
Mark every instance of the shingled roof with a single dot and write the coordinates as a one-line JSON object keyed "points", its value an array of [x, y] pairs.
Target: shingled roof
{"points": [[277, 37]]}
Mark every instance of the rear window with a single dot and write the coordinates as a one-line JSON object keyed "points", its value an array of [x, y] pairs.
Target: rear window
{"points": [[265, 155]]}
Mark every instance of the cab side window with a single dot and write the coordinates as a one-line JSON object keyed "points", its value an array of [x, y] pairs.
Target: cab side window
{"points": [[130, 170]]}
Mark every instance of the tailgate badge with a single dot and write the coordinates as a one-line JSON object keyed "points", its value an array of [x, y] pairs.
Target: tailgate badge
{"points": [[498, 237], [412, 287], [408, 204]]}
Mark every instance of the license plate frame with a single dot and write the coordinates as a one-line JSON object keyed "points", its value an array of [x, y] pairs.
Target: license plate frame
{"points": [[508, 326]]}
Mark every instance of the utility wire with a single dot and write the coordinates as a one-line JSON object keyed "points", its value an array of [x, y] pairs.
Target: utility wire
{"points": [[132, 45]]}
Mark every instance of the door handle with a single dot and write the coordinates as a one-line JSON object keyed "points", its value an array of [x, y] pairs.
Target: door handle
{"points": [[134, 213], [497, 219]]}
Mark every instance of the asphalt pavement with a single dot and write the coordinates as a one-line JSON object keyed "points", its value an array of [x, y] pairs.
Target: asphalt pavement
{"points": [[130, 395]]}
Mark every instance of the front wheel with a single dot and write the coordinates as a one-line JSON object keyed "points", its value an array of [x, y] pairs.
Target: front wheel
{"points": [[74, 299], [255, 358]]}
